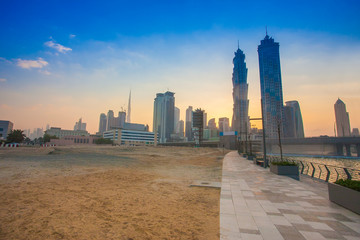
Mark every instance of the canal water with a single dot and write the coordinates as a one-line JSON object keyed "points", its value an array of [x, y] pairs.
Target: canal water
{"points": [[318, 165]]}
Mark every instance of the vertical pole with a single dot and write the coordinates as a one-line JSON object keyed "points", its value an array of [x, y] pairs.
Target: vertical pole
{"points": [[264, 135]]}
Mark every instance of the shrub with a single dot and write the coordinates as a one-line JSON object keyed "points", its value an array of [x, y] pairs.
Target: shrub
{"points": [[103, 141], [355, 185], [284, 163]]}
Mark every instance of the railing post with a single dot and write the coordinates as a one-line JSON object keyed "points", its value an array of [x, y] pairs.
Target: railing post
{"points": [[337, 174], [347, 174], [313, 172], [328, 174], [302, 167]]}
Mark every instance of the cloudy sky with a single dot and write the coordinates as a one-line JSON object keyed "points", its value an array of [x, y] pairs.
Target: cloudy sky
{"points": [[62, 60]]}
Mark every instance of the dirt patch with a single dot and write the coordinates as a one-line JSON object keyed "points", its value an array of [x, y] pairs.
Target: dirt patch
{"points": [[109, 193]]}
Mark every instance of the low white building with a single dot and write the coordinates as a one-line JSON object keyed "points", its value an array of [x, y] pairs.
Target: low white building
{"points": [[130, 137]]}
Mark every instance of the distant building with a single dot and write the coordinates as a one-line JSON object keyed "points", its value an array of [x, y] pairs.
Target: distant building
{"points": [[130, 137], [224, 124], [181, 128], [163, 119], [60, 133], [74, 140], [176, 119], [188, 124], [240, 119], [342, 119], [205, 119], [102, 123], [198, 125], [271, 86], [293, 125], [110, 120], [355, 132], [79, 126], [5, 128], [289, 122], [212, 124]]}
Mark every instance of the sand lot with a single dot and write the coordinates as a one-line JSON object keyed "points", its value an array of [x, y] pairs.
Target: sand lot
{"points": [[106, 192]]}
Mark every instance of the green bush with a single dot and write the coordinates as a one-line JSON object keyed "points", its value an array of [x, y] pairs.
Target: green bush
{"points": [[284, 163], [103, 141], [355, 185]]}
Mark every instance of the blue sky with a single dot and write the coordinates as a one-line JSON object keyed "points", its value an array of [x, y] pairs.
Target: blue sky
{"points": [[62, 60]]}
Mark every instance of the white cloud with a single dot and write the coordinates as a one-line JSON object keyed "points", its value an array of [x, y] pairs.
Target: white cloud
{"points": [[45, 72], [72, 35], [58, 47], [27, 64], [2, 80]]}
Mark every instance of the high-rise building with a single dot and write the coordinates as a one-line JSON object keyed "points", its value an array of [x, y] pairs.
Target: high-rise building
{"points": [[293, 123], [120, 120], [176, 119], [163, 121], [224, 124], [289, 122], [205, 119], [240, 119], [110, 120], [5, 128], [198, 124], [271, 86], [181, 128], [355, 132], [212, 124], [102, 123], [79, 125], [188, 124], [342, 119]]}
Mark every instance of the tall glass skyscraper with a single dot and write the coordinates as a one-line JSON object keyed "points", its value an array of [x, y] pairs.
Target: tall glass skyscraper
{"points": [[271, 86], [342, 119], [295, 120], [240, 119], [163, 122]]}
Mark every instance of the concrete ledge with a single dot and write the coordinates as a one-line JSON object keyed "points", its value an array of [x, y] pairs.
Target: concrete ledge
{"points": [[290, 171], [346, 197]]}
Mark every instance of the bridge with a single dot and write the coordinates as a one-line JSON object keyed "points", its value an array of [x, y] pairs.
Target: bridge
{"points": [[330, 146]]}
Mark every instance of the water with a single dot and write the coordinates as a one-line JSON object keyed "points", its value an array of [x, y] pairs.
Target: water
{"points": [[334, 164]]}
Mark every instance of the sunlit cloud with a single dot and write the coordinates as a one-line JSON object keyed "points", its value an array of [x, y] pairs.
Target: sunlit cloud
{"points": [[2, 80], [72, 35], [58, 47], [28, 64], [45, 72]]}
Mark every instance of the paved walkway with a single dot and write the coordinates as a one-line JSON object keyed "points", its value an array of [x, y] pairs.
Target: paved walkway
{"points": [[256, 204]]}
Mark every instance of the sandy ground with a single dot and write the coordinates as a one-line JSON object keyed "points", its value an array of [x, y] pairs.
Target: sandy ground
{"points": [[106, 192]]}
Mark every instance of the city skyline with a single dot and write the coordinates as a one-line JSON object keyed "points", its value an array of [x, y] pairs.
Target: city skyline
{"points": [[56, 70]]}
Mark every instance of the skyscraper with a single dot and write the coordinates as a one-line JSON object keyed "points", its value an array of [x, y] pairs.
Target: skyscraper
{"points": [[188, 123], [296, 121], [163, 121], [240, 119], [271, 86], [342, 119], [224, 124], [110, 120], [80, 125], [102, 123], [198, 125], [176, 119]]}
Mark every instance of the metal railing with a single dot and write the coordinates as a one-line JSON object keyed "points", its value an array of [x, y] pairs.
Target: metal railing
{"points": [[325, 172]]}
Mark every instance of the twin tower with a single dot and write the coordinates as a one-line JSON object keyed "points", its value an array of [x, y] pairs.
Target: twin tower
{"points": [[271, 93]]}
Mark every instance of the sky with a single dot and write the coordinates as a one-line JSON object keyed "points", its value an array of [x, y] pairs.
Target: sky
{"points": [[62, 60]]}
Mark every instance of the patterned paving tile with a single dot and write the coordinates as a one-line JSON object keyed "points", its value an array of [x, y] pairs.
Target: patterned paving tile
{"points": [[256, 204]]}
